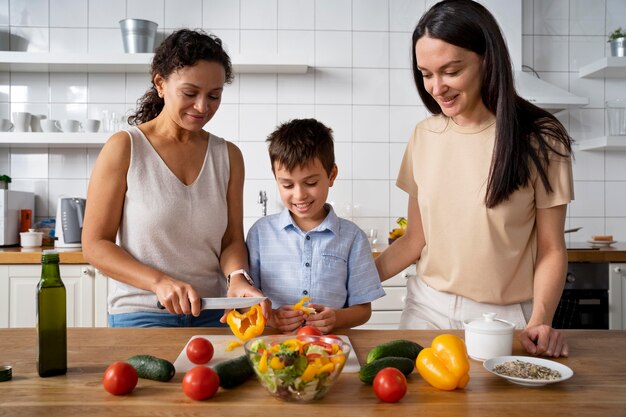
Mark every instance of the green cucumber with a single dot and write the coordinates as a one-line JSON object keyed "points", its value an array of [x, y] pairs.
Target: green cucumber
{"points": [[151, 367], [368, 371], [234, 372], [398, 348]]}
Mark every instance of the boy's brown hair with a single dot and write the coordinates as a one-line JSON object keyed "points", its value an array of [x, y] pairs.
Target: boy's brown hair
{"points": [[298, 142]]}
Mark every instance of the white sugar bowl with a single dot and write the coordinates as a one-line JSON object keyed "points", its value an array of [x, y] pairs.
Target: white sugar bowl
{"points": [[488, 337], [31, 239]]}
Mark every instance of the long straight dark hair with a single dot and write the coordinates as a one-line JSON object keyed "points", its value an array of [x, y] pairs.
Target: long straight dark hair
{"points": [[522, 128]]}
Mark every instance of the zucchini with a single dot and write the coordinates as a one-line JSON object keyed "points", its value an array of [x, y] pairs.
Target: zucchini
{"points": [[234, 372], [368, 371], [151, 367], [399, 348]]}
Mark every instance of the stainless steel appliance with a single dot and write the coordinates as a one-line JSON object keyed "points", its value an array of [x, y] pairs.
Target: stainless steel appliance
{"points": [[585, 300], [69, 222], [11, 205]]}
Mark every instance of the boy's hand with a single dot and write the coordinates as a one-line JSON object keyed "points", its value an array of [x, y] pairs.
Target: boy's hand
{"points": [[324, 318], [286, 319]]}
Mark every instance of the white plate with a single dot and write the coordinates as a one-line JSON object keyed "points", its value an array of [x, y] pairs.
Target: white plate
{"points": [[601, 243], [566, 372], [220, 342]]}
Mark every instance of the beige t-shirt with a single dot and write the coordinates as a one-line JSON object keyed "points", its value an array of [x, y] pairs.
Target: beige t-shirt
{"points": [[487, 255]]}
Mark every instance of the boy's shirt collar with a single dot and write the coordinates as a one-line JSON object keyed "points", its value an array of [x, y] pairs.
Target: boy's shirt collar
{"points": [[331, 222]]}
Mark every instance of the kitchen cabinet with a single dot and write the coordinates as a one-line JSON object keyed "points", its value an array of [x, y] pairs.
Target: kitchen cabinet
{"points": [[85, 291], [386, 311], [617, 295], [603, 143]]}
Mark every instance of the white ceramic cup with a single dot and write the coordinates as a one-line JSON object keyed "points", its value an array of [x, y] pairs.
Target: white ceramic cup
{"points": [[92, 125], [35, 122], [5, 125], [21, 121], [50, 125], [70, 125], [31, 239]]}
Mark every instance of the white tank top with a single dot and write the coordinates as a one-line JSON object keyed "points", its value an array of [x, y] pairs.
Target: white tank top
{"points": [[170, 226]]}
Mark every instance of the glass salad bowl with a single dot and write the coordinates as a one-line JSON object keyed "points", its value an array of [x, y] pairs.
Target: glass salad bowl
{"points": [[297, 368]]}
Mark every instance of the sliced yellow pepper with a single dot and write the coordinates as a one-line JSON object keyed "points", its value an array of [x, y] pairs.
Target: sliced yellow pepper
{"points": [[276, 363], [300, 306], [328, 368], [232, 345], [445, 364], [310, 372], [246, 325], [263, 363]]}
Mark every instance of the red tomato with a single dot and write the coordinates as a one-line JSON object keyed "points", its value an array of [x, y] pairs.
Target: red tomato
{"points": [[309, 331], [120, 378], [200, 383], [390, 385], [199, 351]]}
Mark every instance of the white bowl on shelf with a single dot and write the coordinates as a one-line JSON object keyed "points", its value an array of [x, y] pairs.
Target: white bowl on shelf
{"points": [[31, 239]]}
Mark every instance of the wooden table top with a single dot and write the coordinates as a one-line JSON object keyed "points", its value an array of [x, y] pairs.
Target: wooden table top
{"points": [[598, 387]]}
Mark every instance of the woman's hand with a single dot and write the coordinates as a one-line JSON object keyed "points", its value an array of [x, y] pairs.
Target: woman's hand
{"points": [[286, 319], [324, 318], [239, 287], [543, 340], [178, 297]]}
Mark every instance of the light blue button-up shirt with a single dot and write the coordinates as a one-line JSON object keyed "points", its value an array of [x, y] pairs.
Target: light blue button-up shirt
{"points": [[332, 263]]}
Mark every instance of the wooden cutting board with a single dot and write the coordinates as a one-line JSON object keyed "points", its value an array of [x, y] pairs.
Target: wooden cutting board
{"points": [[220, 342]]}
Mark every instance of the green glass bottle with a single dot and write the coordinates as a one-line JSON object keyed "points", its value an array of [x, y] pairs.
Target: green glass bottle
{"points": [[51, 318]]}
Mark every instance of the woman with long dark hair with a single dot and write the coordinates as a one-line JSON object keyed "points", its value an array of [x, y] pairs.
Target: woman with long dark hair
{"points": [[164, 216], [489, 177]]}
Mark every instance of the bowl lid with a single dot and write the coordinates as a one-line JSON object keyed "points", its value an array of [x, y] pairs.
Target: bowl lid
{"points": [[489, 324]]}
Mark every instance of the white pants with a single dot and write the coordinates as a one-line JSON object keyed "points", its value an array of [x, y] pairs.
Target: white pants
{"points": [[429, 309]]}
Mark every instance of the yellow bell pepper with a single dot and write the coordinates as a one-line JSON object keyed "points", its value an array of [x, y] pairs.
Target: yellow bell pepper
{"points": [[445, 364], [300, 306], [246, 325], [262, 367]]}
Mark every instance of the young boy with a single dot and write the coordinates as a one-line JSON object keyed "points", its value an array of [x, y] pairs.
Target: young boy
{"points": [[306, 250]]}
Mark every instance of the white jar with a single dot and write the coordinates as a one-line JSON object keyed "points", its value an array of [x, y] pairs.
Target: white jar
{"points": [[31, 239], [488, 337]]}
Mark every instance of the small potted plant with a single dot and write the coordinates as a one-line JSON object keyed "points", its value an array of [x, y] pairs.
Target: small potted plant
{"points": [[617, 39], [4, 182]]}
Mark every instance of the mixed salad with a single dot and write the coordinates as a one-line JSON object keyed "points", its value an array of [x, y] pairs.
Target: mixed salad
{"points": [[301, 368]]}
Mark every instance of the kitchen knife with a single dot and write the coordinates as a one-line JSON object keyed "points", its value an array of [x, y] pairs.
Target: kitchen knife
{"points": [[219, 303]]}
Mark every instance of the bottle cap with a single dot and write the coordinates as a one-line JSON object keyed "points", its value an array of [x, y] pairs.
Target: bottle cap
{"points": [[6, 373]]}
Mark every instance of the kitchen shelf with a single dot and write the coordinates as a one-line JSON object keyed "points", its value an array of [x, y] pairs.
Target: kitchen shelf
{"points": [[52, 140], [607, 67], [133, 63], [603, 143]]}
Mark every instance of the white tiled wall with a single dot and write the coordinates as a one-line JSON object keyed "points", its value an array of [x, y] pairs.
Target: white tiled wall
{"points": [[360, 84]]}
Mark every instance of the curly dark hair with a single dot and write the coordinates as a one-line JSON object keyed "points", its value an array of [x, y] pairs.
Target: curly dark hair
{"points": [[183, 48]]}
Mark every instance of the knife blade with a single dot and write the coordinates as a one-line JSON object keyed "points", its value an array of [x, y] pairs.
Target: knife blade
{"points": [[219, 303]]}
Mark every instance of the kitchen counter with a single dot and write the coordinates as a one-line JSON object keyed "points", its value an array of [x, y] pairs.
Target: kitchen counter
{"points": [[19, 255], [597, 388], [576, 252]]}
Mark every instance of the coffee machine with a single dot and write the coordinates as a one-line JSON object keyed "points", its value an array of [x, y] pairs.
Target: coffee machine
{"points": [[69, 222]]}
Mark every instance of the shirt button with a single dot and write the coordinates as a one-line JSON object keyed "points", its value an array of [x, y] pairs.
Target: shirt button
{"points": [[308, 238], [305, 292], [307, 264]]}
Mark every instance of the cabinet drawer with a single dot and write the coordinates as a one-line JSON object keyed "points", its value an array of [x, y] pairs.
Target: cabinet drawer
{"points": [[393, 300]]}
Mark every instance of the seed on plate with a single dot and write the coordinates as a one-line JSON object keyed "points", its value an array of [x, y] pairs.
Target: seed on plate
{"points": [[526, 370]]}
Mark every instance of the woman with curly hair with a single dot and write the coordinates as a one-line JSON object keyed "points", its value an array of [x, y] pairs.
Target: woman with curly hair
{"points": [[164, 216]]}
